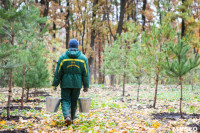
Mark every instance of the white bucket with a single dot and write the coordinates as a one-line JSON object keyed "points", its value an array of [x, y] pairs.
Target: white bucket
{"points": [[52, 104], [84, 104]]}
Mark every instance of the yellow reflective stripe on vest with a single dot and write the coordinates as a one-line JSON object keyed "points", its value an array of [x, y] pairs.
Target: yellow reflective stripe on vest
{"points": [[72, 60], [73, 65]]}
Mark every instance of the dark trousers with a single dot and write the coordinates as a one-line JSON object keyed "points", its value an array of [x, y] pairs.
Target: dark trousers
{"points": [[69, 101]]}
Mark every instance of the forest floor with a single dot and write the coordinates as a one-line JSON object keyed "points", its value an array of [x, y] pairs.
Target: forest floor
{"points": [[110, 112]]}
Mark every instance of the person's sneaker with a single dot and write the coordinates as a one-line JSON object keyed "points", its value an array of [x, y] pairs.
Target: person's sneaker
{"points": [[68, 121]]}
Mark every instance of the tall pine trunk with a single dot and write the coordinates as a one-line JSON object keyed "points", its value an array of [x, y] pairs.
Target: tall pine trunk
{"points": [[143, 16], [54, 49], [45, 3], [156, 89], [82, 37], [95, 71], [119, 29], [183, 23], [99, 55], [92, 37], [67, 25], [23, 87], [9, 95]]}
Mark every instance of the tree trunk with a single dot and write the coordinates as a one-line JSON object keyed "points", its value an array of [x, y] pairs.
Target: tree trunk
{"points": [[112, 80], [100, 74], [82, 39], [5, 4], [9, 95], [45, 3], [124, 82], [95, 71], [35, 92], [136, 10], [192, 81], [54, 49], [181, 113], [183, 24], [92, 37], [160, 16], [138, 91], [119, 30], [27, 94], [23, 87], [67, 25], [143, 16], [121, 18], [116, 6], [156, 89]]}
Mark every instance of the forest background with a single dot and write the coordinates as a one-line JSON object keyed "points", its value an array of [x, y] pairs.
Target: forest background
{"points": [[126, 41]]}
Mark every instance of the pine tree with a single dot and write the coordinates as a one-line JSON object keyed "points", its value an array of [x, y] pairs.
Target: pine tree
{"points": [[155, 43], [118, 57], [10, 28], [19, 30], [181, 62]]}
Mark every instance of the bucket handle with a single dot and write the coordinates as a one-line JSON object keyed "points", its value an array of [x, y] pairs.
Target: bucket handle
{"points": [[83, 94]]}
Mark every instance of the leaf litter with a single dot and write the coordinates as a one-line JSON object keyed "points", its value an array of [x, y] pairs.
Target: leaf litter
{"points": [[110, 112]]}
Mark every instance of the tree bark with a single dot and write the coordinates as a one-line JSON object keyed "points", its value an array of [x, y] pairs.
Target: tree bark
{"points": [[35, 92], [23, 86], [44, 3], [112, 80], [9, 95], [143, 16], [100, 74], [160, 16], [67, 24], [156, 89], [13, 34], [27, 94], [134, 13], [83, 35], [116, 6], [124, 82], [95, 71], [192, 82], [5, 4], [121, 18], [183, 23], [54, 49], [181, 113], [119, 30], [138, 91], [92, 37]]}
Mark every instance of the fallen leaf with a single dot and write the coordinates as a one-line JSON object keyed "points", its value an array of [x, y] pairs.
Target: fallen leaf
{"points": [[3, 122]]}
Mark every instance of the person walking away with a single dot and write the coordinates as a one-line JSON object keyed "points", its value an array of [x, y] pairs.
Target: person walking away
{"points": [[71, 73]]}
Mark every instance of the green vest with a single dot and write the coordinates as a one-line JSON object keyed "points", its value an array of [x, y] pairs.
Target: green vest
{"points": [[72, 70]]}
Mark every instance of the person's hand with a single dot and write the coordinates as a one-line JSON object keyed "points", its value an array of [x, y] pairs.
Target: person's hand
{"points": [[54, 88], [85, 89]]}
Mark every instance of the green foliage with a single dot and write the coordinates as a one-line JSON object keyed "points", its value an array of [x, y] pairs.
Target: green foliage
{"points": [[120, 57], [156, 42], [181, 60], [23, 46], [37, 75]]}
